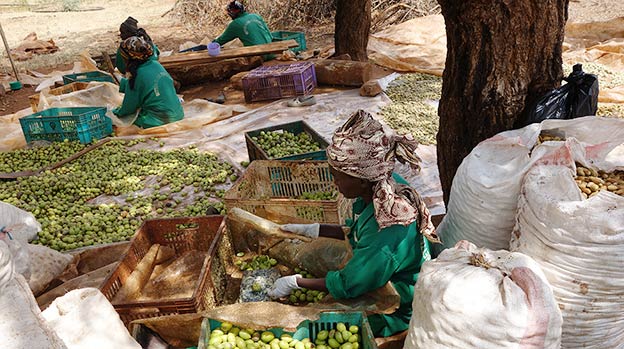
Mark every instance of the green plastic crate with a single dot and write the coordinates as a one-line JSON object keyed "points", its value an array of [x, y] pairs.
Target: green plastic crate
{"points": [[299, 37], [255, 152], [309, 329], [57, 124], [87, 76]]}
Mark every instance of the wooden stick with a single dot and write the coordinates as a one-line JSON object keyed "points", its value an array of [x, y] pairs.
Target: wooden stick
{"points": [[109, 65], [8, 51]]}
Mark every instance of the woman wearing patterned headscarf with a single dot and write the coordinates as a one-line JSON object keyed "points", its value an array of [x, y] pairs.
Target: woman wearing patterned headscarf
{"points": [[129, 28], [392, 230], [148, 88]]}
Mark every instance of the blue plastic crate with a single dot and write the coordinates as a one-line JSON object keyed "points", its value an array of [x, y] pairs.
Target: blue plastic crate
{"points": [[299, 37], [309, 329], [57, 124], [87, 76]]}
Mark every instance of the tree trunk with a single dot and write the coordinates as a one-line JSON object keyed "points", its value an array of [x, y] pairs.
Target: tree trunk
{"points": [[353, 19], [502, 56]]}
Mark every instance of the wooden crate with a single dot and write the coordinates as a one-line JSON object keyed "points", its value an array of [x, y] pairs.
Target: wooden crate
{"points": [[73, 87], [181, 234], [269, 189]]}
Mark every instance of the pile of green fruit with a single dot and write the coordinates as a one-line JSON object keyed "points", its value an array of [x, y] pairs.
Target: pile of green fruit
{"points": [[259, 262], [414, 106], [278, 144], [303, 295], [39, 157], [229, 336], [104, 195], [319, 195]]}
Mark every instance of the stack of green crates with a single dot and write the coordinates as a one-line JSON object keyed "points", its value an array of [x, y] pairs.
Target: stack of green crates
{"points": [[85, 124]]}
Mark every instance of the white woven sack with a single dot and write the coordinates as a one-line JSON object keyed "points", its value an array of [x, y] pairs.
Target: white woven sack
{"points": [[467, 298], [45, 265], [84, 318], [484, 195], [580, 245], [21, 324], [22, 225]]}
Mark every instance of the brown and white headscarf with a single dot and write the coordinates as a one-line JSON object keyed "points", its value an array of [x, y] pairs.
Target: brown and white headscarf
{"points": [[363, 148]]}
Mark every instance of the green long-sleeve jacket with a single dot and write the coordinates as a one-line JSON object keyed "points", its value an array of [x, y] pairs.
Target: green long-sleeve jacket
{"points": [[394, 254], [251, 29], [153, 94], [121, 64]]}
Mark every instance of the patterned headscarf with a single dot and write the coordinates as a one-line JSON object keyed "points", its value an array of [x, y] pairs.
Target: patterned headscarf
{"points": [[137, 48], [363, 148]]}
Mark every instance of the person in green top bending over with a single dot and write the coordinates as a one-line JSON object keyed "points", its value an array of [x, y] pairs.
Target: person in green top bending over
{"points": [[250, 28], [149, 89], [129, 28], [392, 229]]}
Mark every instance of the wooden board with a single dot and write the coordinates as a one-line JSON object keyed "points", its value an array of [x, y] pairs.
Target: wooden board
{"points": [[193, 58]]}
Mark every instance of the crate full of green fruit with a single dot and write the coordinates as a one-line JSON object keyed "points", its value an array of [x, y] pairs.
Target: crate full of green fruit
{"points": [[291, 141]]}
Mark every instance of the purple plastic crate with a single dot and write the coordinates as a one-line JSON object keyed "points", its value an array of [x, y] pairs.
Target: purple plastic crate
{"points": [[279, 81]]}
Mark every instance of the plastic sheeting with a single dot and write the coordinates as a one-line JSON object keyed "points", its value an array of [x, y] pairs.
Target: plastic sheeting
{"points": [[419, 45]]}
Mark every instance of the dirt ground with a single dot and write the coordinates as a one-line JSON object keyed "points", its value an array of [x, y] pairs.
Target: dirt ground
{"points": [[97, 30]]}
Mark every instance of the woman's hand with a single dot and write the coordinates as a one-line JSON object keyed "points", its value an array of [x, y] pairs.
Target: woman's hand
{"points": [[284, 286], [309, 230]]}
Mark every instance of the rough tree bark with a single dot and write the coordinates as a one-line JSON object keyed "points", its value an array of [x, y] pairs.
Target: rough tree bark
{"points": [[353, 19], [502, 55]]}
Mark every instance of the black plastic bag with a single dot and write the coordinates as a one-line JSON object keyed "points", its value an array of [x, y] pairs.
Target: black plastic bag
{"points": [[579, 97]]}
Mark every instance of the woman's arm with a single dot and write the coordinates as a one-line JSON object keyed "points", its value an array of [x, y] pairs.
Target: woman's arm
{"points": [[332, 231], [312, 284]]}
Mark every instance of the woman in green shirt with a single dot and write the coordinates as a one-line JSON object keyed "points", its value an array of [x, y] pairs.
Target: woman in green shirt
{"points": [[391, 232], [149, 89]]}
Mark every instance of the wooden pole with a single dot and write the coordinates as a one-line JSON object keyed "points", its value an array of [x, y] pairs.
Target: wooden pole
{"points": [[6, 46]]}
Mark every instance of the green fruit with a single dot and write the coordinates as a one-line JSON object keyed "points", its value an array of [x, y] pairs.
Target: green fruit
{"points": [[320, 342], [338, 337], [333, 343], [322, 335], [346, 346], [215, 340], [267, 336], [256, 287], [226, 326], [283, 344], [235, 330], [218, 332], [340, 327], [244, 334], [356, 345], [345, 335], [293, 299], [240, 343], [321, 346], [231, 338], [354, 338], [240, 254], [353, 329]]}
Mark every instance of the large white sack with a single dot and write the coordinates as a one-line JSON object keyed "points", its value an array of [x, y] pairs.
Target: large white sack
{"points": [[21, 324], [45, 265], [579, 244], [19, 254], [22, 225], [84, 318], [466, 298], [484, 195]]}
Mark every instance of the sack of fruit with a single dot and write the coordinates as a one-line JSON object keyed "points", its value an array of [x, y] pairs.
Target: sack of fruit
{"points": [[22, 225], [484, 195], [571, 221], [472, 297], [20, 320]]}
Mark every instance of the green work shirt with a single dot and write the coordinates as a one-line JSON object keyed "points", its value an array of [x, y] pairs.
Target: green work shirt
{"points": [[250, 29], [393, 254], [121, 64], [153, 94]]}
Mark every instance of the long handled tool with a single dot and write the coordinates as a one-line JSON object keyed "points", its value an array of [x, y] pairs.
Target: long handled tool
{"points": [[6, 46]]}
